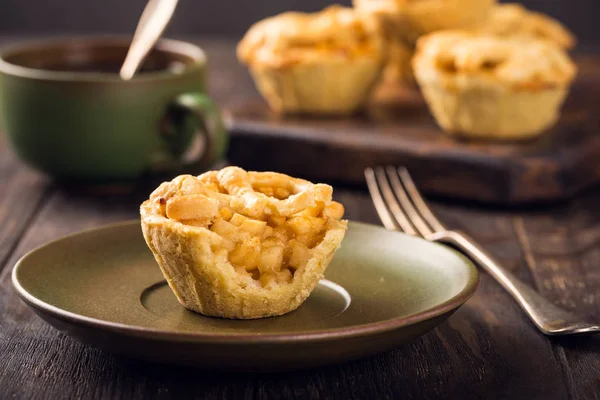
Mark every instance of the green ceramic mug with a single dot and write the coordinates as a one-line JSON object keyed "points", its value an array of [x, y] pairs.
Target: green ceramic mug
{"points": [[66, 112]]}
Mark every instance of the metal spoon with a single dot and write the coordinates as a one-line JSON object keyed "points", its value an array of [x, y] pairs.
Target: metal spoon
{"points": [[153, 22]]}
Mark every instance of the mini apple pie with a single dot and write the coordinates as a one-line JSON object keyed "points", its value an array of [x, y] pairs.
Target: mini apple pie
{"points": [[515, 20], [316, 63], [492, 87], [239, 244]]}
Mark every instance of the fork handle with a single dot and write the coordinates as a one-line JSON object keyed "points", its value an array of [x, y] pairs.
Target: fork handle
{"points": [[545, 315]]}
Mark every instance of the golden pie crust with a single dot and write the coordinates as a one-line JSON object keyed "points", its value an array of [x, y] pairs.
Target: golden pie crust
{"points": [[239, 244], [318, 63], [492, 87], [515, 20], [414, 18]]}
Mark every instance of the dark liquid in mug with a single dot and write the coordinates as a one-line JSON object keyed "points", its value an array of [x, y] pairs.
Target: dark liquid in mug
{"points": [[104, 59], [113, 67]]}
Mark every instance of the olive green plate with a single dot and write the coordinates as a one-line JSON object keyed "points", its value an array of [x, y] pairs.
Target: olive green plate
{"points": [[383, 288]]}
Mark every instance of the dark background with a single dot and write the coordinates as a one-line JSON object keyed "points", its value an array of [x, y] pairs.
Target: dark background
{"points": [[220, 17]]}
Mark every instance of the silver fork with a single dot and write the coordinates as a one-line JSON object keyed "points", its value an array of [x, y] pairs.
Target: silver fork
{"points": [[401, 207]]}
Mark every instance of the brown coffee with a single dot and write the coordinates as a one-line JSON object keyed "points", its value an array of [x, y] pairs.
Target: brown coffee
{"points": [[113, 66], [101, 59]]}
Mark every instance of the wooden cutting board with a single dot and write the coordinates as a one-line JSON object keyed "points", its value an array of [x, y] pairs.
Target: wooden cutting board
{"points": [[555, 166]]}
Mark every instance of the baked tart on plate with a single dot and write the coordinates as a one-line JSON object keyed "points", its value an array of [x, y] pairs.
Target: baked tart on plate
{"points": [[238, 244]]}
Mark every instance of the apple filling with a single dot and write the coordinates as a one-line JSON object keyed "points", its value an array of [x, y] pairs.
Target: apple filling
{"points": [[265, 225]]}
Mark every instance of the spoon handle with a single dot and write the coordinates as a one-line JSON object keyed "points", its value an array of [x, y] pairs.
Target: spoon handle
{"points": [[153, 22]]}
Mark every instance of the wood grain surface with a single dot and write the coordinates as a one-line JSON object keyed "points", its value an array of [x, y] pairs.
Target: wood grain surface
{"points": [[487, 350], [557, 165]]}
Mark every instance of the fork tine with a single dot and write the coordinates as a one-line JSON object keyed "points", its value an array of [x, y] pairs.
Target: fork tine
{"points": [[418, 201], [382, 211], [399, 215], [412, 214]]}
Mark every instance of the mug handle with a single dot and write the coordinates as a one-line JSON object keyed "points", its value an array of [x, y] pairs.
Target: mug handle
{"points": [[208, 127]]}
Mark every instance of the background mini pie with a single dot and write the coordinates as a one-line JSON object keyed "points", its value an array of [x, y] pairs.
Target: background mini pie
{"points": [[239, 244], [513, 19], [414, 18], [492, 87], [317, 63], [404, 21]]}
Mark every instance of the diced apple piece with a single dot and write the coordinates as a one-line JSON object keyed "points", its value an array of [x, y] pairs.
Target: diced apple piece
{"points": [[253, 227], [227, 243], [281, 233], [247, 253], [267, 232], [284, 276], [300, 254], [226, 230], [271, 259], [307, 229], [238, 219], [225, 213], [266, 279]]}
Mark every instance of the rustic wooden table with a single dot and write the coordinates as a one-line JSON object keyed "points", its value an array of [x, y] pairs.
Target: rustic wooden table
{"points": [[488, 349]]}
